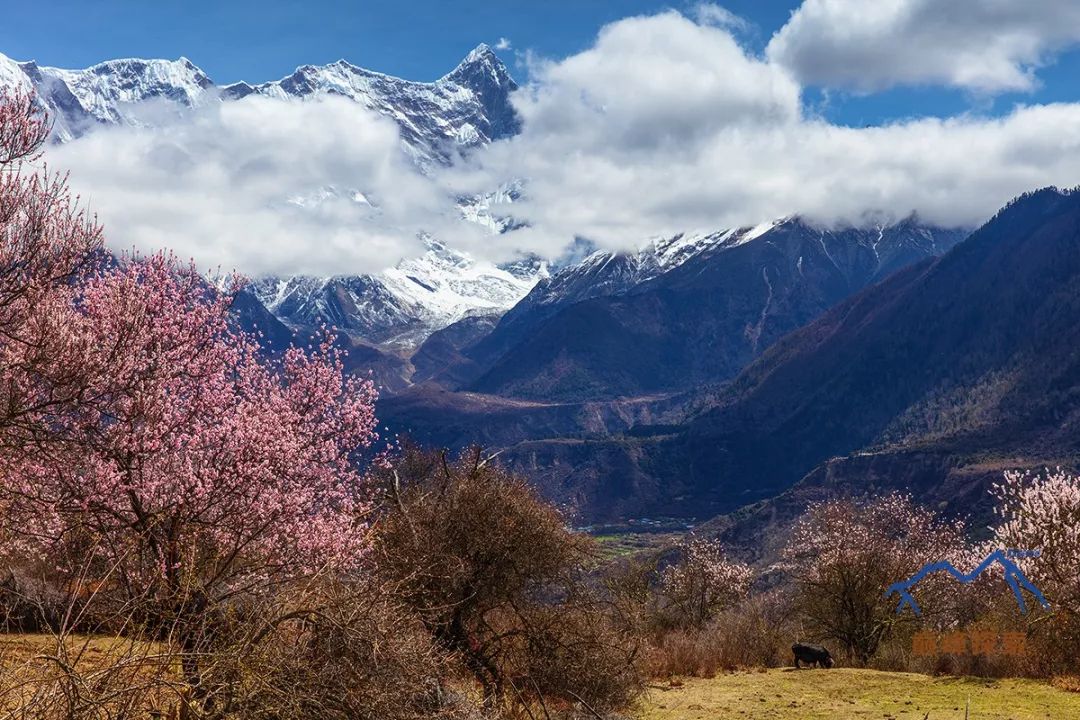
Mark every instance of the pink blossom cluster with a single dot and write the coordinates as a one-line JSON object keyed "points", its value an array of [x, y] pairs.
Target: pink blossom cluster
{"points": [[47, 245], [889, 533], [139, 428]]}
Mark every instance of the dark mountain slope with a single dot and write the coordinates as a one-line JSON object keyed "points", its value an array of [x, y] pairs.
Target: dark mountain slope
{"points": [[253, 317], [977, 353], [932, 381], [441, 354], [666, 344]]}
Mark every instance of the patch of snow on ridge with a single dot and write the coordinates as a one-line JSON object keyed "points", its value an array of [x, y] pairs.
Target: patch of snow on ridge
{"points": [[488, 210], [12, 75], [449, 285], [403, 305], [328, 193], [674, 251], [758, 230]]}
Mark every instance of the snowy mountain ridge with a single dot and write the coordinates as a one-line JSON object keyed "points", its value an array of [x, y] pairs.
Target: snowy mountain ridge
{"points": [[604, 273], [465, 108], [115, 92]]}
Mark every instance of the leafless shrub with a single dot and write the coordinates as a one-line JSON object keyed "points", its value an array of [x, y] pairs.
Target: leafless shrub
{"points": [[328, 649], [334, 650], [500, 582], [755, 633]]}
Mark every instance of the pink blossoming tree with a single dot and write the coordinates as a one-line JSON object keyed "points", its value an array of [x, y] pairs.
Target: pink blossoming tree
{"points": [[704, 582], [200, 468], [47, 244], [1042, 512], [150, 450]]}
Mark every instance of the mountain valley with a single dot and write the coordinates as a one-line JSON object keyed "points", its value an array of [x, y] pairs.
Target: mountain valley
{"points": [[697, 374]]}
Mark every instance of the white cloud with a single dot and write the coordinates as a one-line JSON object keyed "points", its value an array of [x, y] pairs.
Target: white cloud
{"points": [[260, 185], [652, 82], [503, 44], [667, 125], [708, 13], [986, 46]]}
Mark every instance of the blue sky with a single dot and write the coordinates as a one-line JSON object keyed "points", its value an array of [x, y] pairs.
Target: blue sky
{"points": [[246, 39], [422, 39]]}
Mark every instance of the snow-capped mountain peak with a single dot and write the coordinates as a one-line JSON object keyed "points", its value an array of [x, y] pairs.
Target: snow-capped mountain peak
{"points": [[467, 107], [112, 92], [481, 68]]}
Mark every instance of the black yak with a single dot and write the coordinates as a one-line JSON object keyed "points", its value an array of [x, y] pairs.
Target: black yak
{"points": [[811, 655]]}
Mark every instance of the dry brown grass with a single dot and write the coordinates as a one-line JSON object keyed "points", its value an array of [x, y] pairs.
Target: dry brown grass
{"points": [[20, 648], [73, 676]]}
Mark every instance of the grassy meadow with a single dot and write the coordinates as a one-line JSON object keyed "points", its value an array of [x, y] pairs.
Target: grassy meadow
{"points": [[848, 694]]}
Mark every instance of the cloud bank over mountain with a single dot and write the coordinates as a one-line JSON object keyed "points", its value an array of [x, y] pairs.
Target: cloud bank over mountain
{"points": [[667, 123], [259, 184]]}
